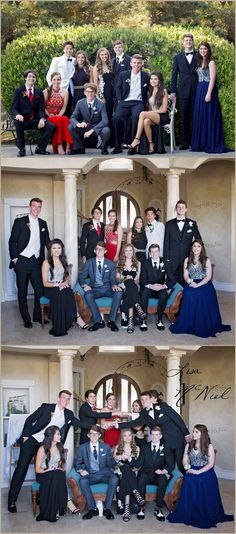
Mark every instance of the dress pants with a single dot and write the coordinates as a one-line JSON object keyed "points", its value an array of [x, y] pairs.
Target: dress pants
{"points": [[162, 297], [46, 132], [125, 110], [102, 291], [103, 475], [27, 451], [29, 269], [79, 142], [147, 476]]}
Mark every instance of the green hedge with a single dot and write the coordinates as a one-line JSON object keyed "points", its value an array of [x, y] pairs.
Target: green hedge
{"points": [[157, 44]]}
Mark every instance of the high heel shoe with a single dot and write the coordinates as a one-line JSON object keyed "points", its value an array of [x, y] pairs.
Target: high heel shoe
{"points": [[81, 323], [71, 506]]}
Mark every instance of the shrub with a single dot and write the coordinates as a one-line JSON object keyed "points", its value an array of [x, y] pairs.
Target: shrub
{"points": [[158, 45]]}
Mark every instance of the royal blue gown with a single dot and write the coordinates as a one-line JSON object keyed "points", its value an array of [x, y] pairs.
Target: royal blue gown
{"points": [[199, 312], [200, 503], [207, 120]]}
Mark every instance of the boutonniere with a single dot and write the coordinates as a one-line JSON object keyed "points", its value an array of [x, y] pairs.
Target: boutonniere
{"points": [[24, 93], [29, 225], [190, 223], [161, 448], [128, 80]]}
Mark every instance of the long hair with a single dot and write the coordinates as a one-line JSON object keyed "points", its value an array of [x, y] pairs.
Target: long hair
{"points": [[158, 98], [62, 258], [99, 61], [208, 57], [86, 65], [115, 225], [47, 443], [205, 440], [121, 444], [121, 261], [202, 257], [49, 89]]}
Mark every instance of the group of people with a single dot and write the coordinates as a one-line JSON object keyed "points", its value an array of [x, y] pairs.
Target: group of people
{"points": [[149, 265], [126, 460], [117, 104]]}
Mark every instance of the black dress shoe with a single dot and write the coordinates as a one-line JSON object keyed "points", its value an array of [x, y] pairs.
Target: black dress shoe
{"points": [[104, 152], [41, 152], [117, 150], [183, 147], [75, 152], [108, 514], [96, 326], [21, 153], [12, 508], [159, 515], [112, 325], [89, 515], [160, 325], [28, 324]]}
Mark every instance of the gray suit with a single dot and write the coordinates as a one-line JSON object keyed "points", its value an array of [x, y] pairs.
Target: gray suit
{"points": [[97, 120], [105, 473], [108, 279]]}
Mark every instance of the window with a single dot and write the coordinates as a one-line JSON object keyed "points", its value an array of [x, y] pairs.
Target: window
{"points": [[126, 207], [124, 388]]}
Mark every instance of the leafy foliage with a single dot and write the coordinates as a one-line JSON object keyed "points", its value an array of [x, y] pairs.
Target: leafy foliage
{"points": [[158, 45]]}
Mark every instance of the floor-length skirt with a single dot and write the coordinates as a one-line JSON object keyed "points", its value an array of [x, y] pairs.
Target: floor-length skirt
{"points": [[199, 313], [200, 502], [62, 134], [52, 494], [207, 122], [63, 309]]}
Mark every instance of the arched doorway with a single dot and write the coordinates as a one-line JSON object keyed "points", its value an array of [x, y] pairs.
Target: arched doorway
{"points": [[125, 205], [124, 388]]}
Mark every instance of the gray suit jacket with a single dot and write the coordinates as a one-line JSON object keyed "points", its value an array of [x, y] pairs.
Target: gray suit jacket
{"points": [[108, 273], [105, 457], [98, 119]]}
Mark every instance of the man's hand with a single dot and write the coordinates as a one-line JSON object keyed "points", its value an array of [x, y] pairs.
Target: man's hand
{"points": [[19, 117], [41, 123], [87, 288], [88, 134]]}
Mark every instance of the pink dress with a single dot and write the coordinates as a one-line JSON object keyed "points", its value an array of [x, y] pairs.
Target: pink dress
{"points": [[62, 134]]}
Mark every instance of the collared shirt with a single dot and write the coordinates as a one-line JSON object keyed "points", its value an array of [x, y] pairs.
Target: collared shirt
{"points": [[57, 419], [135, 87], [33, 247]]}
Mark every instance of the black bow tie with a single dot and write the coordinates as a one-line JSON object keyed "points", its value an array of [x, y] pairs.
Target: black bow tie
{"points": [[189, 53], [69, 59], [180, 220]]}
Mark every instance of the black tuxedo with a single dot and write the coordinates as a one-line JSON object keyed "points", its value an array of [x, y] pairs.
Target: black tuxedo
{"points": [[172, 427], [177, 245], [27, 268], [128, 109], [36, 421], [89, 239], [32, 113], [162, 458], [89, 418], [150, 275], [184, 82]]}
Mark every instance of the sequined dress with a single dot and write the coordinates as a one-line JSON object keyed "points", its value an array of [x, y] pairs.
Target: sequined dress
{"points": [[200, 503], [199, 312]]}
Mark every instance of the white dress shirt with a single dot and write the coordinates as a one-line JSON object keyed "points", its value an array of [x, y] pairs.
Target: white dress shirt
{"points": [[33, 247]]}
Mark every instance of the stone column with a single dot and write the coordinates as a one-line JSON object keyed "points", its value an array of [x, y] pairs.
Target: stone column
{"points": [[71, 224], [173, 377], [66, 382], [172, 178]]}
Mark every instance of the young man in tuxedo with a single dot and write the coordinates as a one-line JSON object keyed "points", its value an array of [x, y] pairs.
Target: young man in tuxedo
{"points": [[89, 415], [131, 92], [92, 232], [184, 82], [179, 235], [94, 463], [120, 63], [157, 469], [174, 431], [29, 237], [154, 229], [28, 111], [156, 280], [33, 434], [88, 121], [102, 283], [65, 65]]}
